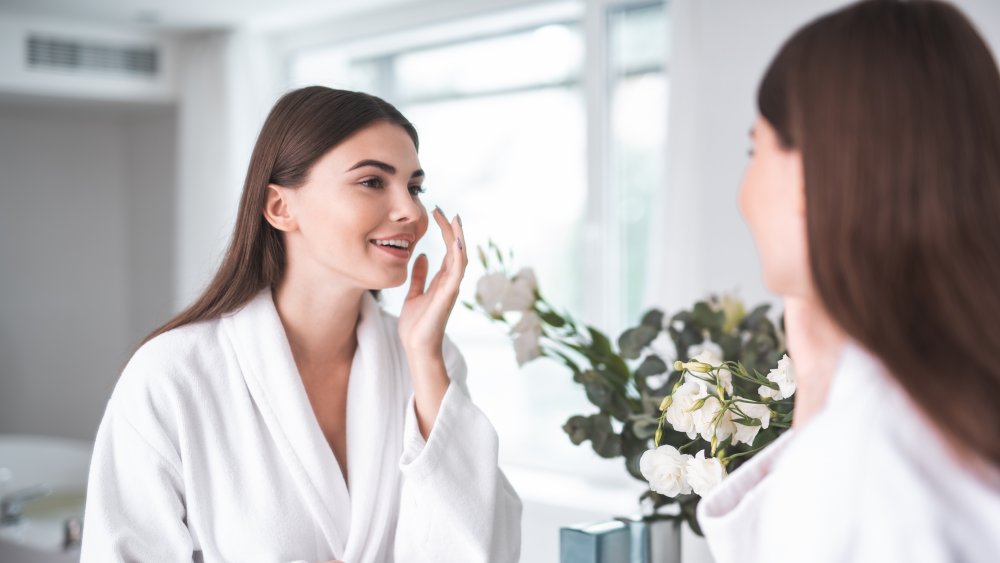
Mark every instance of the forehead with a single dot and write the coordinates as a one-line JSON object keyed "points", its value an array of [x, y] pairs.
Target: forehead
{"points": [[382, 141]]}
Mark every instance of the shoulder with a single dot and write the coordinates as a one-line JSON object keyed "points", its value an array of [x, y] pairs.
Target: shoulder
{"points": [[168, 371], [853, 484]]}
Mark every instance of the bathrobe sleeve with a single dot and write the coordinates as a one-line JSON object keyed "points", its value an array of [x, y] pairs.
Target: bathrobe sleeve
{"points": [[135, 500], [456, 505]]}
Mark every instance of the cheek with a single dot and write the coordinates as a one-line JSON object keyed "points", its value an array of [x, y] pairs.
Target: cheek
{"points": [[750, 196], [767, 206], [422, 224]]}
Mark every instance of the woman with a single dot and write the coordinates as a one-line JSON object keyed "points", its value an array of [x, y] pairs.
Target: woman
{"points": [[873, 195], [284, 416]]}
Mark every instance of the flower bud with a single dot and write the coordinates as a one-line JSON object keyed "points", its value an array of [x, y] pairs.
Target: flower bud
{"points": [[665, 403]]}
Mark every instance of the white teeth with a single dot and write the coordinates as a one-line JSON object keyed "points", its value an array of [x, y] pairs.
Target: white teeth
{"points": [[404, 244]]}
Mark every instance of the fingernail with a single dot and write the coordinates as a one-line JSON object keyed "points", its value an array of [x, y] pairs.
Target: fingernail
{"points": [[438, 210], [459, 217], [460, 245]]}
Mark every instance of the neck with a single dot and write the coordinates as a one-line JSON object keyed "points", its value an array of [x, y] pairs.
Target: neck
{"points": [[320, 321], [815, 343]]}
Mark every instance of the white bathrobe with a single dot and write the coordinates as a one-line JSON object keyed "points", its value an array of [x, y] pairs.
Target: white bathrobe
{"points": [[867, 479], [209, 451]]}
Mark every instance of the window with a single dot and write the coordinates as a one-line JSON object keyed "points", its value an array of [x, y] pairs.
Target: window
{"points": [[503, 123]]}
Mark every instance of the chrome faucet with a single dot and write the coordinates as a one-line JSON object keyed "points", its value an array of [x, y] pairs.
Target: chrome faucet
{"points": [[12, 504]]}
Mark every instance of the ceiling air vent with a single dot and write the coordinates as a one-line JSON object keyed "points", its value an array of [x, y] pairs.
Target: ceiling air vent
{"points": [[70, 54]]}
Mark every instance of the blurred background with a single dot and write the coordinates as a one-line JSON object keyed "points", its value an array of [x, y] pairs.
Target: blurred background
{"points": [[602, 141]]}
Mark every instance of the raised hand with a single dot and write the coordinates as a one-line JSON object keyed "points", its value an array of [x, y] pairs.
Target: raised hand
{"points": [[423, 318], [425, 312]]}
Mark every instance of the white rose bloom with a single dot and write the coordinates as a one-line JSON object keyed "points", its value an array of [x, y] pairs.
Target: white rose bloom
{"points": [[745, 433], [665, 468], [704, 474], [703, 417], [526, 333], [520, 295], [679, 415], [784, 377], [490, 290], [710, 353]]}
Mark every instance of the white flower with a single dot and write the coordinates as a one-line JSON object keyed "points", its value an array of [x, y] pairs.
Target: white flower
{"points": [[704, 474], [666, 470], [705, 423], [526, 333], [678, 413], [710, 353], [784, 377], [711, 350], [520, 294], [490, 290], [747, 433]]}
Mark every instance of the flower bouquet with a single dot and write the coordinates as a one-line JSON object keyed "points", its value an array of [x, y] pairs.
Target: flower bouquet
{"points": [[682, 399]]}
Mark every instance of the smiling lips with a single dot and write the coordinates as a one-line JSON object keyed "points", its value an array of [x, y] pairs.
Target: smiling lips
{"points": [[397, 245]]}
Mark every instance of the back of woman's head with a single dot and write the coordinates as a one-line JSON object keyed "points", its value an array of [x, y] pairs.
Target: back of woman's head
{"points": [[301, 127], [895, 109]]}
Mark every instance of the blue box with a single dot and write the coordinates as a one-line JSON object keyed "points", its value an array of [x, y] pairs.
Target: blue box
{"points": [[598, 542]]}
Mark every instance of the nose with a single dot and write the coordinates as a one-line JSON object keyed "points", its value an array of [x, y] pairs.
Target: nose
{"points": [[405, 208]]}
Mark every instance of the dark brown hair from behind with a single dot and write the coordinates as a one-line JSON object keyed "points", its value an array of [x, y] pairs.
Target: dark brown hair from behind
{"points": [[301, 127], [895, 108]]}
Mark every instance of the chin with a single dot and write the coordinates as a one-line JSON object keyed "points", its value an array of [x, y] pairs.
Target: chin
{"points": [[388, 282]]}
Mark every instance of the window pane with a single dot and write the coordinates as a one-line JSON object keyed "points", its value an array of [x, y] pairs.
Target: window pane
{"points": [[547, 55], [638, 120], [330, 67], [513, 166]]}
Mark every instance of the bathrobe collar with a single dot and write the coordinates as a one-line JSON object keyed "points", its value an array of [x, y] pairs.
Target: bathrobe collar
{"points": [[375, 408]]}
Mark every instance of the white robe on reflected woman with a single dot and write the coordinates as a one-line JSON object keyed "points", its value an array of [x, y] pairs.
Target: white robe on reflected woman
{"points": [[210, 451], [868, 479]]}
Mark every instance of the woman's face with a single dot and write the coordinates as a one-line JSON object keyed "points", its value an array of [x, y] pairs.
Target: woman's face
{"points": [[358, 216], [772, 199]]}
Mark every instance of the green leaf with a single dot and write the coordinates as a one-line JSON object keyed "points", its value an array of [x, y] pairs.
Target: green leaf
{"points": [[619, 407], [578, 428], [634, 340], [652, 365], [553, 319], [706, 318], [653, 319], [603, 439], [598, 390], [599, 342], [632, 449]]}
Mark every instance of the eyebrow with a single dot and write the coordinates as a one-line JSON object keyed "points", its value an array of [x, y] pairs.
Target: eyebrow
{"points": [[384, 167]]}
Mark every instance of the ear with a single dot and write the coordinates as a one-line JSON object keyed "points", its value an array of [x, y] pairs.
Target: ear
{"points": [[276, 209]]}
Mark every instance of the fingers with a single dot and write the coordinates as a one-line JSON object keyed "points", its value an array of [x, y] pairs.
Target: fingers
{"points": [[456, 258], [446, 230], [419, 277], [461, 258]]}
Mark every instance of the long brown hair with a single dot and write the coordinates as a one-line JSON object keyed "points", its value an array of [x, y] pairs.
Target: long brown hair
{"points": [[303, 125], [895, 107]]}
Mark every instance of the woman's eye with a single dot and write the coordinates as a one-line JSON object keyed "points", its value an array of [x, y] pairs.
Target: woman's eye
{"points": [[417, 190], [372, 183]]}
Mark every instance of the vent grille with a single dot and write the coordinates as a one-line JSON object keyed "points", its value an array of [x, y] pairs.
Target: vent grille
{"points": [[45, 52]]}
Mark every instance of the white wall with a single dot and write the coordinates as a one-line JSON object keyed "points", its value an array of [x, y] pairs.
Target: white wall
{"points": [[720, 49], [85, 256]]}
